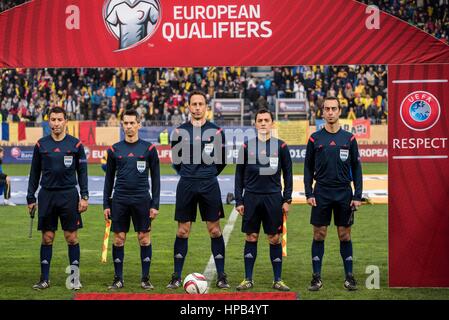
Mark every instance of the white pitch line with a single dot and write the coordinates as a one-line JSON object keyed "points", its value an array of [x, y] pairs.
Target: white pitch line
{"points": [[210, 270]]}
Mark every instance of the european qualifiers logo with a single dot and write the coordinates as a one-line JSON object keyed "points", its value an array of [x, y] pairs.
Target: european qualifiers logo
{"points": [[420, 111], [132, 22]]}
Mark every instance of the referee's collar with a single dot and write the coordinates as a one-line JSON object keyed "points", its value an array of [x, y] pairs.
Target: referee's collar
{"points": [[324, 128]]}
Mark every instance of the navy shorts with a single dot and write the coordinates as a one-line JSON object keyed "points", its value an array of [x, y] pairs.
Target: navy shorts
{"points": [[125, 209], [328, 200], [262, 208], [54, 204], [203, 192]]}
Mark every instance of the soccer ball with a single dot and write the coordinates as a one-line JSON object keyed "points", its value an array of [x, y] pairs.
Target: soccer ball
{"points": [[195, 283]]}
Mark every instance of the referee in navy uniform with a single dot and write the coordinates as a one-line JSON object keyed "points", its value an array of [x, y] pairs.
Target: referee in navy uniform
{"points": [[58, 160], [258, 172], [198, 155], [129, 163], [333, 161]]}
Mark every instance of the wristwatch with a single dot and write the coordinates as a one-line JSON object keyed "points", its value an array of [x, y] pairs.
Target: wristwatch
{"points": [[289, 201], [85, 197]]}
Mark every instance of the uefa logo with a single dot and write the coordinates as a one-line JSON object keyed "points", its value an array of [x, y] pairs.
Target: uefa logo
{"points": [[132, 22], [420, 110]]}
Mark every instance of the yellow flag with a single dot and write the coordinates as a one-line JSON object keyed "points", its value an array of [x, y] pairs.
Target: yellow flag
{"points": [[13, 133], [73, 128], [284, 236], [104, 249]]}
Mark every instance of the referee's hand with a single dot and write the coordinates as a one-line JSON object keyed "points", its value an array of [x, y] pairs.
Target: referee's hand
{"points": [[285, 208], [82, 206], [240, 210], [356, 204], [153, 213], [311, 202], [30, 207], [107, 214]]}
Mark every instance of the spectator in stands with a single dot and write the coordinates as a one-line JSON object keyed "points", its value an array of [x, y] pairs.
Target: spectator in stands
{"points": [[71, 108], [157, 93], [372, 112], [8, 4], [176, 119], [312, 113], [351, 114], [156, 116], [113, 121], [164, 138], [430, 15], [360, 111]]}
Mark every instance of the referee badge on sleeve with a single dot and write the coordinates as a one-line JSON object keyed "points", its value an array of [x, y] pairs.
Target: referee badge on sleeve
{"points": [[274, 162], [344, 154], [68, 160], [141, 166]]}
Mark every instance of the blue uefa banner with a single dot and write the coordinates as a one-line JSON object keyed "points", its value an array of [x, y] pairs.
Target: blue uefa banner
{"points": [[298, 153], [18, 155]]}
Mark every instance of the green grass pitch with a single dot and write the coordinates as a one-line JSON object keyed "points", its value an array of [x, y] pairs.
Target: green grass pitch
{"points": [[19, 267]]}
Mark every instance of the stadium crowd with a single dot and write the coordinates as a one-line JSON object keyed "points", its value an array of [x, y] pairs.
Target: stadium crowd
{"points": [[8, 4], [160, 95], [432, 16]]}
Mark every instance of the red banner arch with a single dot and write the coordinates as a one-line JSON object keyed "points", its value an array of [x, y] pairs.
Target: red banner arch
{"points": [[78, 33]]}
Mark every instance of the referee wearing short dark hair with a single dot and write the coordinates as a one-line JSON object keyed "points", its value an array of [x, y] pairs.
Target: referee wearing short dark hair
{"points": [[333, 161], [258, 173], [129, 164], [198, 154], [58, 160]]}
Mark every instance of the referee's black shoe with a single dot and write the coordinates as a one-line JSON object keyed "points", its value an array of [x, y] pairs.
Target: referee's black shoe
{"points": [[146, 284], [175, 282], [42, 284], [350, 284], [116, 284], [222, 281], [316, 283]]}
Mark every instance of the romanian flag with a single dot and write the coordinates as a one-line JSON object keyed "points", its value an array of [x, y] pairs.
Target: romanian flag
{"points": [[13, 131]]}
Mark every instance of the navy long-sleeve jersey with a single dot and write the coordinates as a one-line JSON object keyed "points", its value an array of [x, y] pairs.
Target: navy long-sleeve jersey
{"points": [[212, 149], [130, 164], [333, 160], [59, 163], [257, 177]]}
